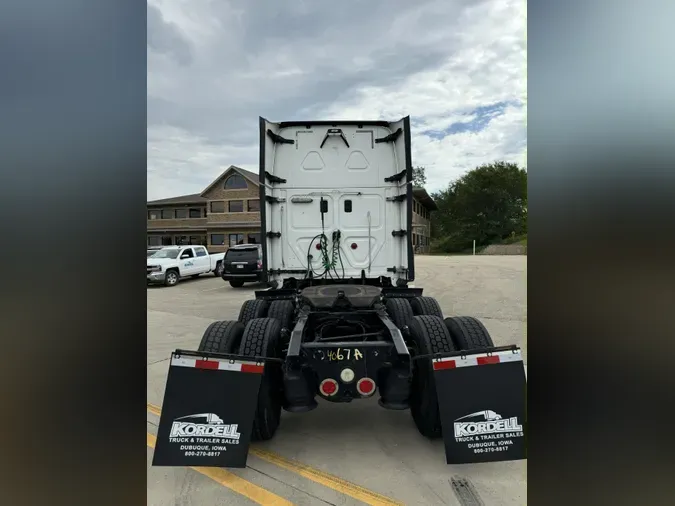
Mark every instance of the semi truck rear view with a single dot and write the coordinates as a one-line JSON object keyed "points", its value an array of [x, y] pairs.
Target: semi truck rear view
{"points": [[339, 322]]}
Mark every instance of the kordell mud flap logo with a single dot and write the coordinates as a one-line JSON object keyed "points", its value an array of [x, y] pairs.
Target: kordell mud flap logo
{"points": [[207, 416], [471, 433]]}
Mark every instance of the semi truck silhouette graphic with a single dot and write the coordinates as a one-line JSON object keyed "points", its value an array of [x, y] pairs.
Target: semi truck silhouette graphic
{"points": [[487, 414], [209, 418]]}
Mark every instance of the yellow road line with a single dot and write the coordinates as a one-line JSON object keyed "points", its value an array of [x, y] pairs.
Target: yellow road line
{"points": [[327, 480], [235, 483], [322, 478]]}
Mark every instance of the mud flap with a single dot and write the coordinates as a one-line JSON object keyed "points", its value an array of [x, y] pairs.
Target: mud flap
{"points": [[207, 413], [482, 404]]}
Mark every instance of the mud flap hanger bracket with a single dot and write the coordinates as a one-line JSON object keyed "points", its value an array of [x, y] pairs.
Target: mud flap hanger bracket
{"points": [[225, 356], [467, 353], [334, 131]]}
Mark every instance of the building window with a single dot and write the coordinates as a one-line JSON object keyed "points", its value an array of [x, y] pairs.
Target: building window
{"points": [[181, 240], [235, 182], [254, 238], [217, 239], [235, 206], [167, 214], [154, 215], [154, 240], [196, 240], [181, 214], [166, 240], [218, 206], [236, 239], [253, 206], [195, 213]]}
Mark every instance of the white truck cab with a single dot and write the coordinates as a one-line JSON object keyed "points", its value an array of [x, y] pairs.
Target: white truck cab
{"points": [[168, 265], [337, 201]]}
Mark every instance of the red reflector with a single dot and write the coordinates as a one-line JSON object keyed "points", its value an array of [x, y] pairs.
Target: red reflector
{"points": [[447, 364], [487, 360], [258, 369], [206, 364], [365, 386], [354, 245], [318, 246], [328, 387]]}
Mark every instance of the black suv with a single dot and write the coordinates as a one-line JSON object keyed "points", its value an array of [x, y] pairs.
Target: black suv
{"points": [[243, 264]]}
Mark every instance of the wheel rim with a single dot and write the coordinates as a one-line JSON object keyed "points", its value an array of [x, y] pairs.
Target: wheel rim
{"points": [[171, 278], [219, 269]]}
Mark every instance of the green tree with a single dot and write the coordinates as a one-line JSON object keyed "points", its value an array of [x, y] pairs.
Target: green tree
{"points": [[487, 204], [419, 177]]}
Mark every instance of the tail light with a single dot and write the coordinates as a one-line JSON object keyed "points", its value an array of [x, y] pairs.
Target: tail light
{"points": [[259, 264], [366, 387], [328, 387]]}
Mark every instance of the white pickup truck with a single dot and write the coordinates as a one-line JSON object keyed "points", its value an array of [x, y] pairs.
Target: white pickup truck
{"points": [[168, 265]]}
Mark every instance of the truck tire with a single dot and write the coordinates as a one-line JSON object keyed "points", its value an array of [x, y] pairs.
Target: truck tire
{"points": [[222, 337], [282, 310], [236, 283], [468, 333], [250, 309], [218, 271], [171, 277], [262, 338], [430, 335], [399, 310], [426, 306]]}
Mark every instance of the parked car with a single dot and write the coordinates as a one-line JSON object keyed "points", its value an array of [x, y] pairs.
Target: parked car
{"points": [[171, 263], [243, 264]]}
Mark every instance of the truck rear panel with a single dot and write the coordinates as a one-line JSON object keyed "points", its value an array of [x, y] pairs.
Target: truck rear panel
{"points": [[325, 177]]}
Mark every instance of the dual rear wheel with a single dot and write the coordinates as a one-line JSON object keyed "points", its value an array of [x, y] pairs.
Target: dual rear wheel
{"points": [[429, 333], [256, 333]]}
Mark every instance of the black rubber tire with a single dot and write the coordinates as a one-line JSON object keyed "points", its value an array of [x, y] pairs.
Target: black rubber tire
{"points": [[262, 338], [222, 337], [282, 310], [426, 306], [236, 283], [430, 335], [399, 310], [218, 271], [254, 308], [169, 280], [468, 333]]}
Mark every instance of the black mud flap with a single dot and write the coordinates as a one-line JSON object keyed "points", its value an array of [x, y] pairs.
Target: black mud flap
{"points": [[207, 413], [482, 404]]}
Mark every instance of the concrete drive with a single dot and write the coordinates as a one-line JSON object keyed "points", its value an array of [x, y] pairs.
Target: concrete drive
{"points": [[375, 451]]}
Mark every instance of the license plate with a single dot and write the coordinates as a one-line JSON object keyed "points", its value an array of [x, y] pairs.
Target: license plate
{"points": [[240, 266]]}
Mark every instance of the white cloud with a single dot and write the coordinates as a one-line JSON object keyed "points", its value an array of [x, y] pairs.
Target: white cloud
{"points": [[437, 61]]}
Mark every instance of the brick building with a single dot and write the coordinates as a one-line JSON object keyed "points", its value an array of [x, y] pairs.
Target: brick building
{"points": [[423, 205], [227, 212]]}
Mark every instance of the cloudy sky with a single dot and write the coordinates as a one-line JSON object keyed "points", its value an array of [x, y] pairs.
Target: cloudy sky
{"points": [[457, 67]]}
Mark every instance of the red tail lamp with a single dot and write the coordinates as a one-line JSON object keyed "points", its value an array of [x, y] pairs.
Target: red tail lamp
{"points": [[365, 386], [328, 387], [354, 245]]}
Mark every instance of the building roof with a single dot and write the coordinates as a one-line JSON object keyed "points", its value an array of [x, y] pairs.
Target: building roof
{"points": [[196, 198], [232, 168], [421, 194]]}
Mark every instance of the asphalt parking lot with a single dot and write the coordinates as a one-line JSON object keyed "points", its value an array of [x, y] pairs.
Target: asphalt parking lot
{"points": [[340, 454]]}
